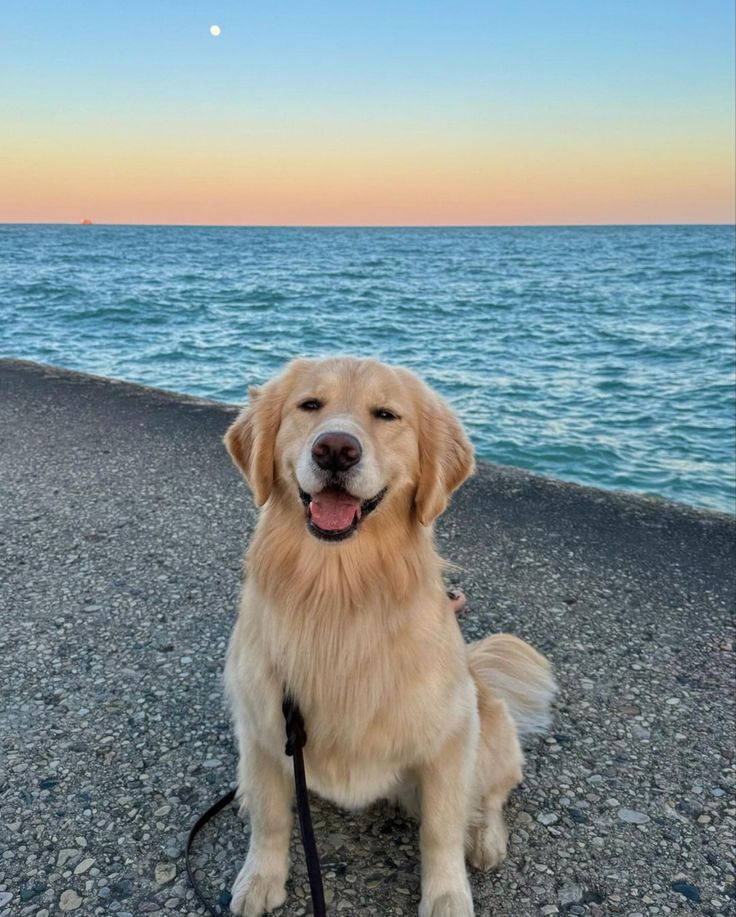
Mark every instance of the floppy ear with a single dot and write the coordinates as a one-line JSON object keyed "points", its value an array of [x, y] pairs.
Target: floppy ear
{"points": [[251, 438], [446, 458]]}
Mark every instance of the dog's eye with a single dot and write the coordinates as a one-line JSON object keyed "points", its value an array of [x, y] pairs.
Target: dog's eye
{"points": [[384, 414], [311, 404]]}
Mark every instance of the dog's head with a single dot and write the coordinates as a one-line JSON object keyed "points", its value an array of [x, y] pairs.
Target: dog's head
{"points": [[343, 439]]}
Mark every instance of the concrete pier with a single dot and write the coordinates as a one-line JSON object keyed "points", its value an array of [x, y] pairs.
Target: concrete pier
{"points": [[122, 526]]}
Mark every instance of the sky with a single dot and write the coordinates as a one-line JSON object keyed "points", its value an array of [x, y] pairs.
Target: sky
{"points": [[304, 112]]}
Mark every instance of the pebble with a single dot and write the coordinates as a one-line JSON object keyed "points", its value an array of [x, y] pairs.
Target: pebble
{"points": [[632, 817], [547, 818], [569, 894], [69, 900], [165, 872], [66, 854], [5, 898], [83, 866], [691, 892]]}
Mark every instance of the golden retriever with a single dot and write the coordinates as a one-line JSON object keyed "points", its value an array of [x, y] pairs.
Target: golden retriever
{"points": [[344, 605]]}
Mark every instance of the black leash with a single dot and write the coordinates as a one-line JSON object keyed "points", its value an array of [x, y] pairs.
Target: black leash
{"points": [[196, 828], [296, 739]]}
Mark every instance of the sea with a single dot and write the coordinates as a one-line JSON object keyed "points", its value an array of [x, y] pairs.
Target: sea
{"points": [[601, 355]]}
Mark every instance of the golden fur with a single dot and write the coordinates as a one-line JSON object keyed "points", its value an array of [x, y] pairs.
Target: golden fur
{"points": [[360, 630]]}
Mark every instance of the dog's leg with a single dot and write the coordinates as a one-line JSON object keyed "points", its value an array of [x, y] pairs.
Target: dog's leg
{"points": [[487, 836], [498, 771], [445, 788], [266, 788]]}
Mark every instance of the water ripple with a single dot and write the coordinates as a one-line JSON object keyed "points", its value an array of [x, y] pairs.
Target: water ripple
{"points": [[603, 355]]}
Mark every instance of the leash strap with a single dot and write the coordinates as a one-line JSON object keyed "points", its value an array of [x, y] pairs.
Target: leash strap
{"points": [[196, 828], [296, 739]]}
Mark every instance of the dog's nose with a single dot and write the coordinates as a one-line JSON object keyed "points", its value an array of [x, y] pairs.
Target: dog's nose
{"points": [[336, 451]]}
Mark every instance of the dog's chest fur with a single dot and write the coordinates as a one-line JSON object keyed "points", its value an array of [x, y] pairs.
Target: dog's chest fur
{"points": [[366, 683]]}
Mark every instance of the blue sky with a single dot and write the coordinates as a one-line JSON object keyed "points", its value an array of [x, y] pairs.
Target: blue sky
{"points": [[320, 89]]}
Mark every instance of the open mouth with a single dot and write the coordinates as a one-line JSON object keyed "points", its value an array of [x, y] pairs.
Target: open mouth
{"points": [[334, 514]]}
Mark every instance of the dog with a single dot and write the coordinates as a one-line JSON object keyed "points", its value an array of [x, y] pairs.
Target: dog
{"points": [[343, 605]]}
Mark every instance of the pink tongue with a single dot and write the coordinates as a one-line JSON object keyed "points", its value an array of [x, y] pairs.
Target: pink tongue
{"points": [[333, 510]]}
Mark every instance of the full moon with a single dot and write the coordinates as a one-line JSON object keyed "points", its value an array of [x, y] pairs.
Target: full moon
{"points": [[215, 30]]}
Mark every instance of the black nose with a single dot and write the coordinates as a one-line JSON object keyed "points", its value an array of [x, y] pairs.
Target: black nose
{"points": [[336, 451]]}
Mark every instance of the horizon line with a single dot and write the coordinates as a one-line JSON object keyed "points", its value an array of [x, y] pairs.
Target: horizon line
{"points": [[82, 224]]}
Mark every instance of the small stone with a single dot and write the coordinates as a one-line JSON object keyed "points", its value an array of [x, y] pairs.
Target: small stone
{"points": [[691, 892], [69, 900], [569, 894], [549, 909], [30, 891], [212, 763], [161, 811], [83, 866], [632, 817], [66, 854], [548, 818], [165, 872], [5, 898], [121, 889]]}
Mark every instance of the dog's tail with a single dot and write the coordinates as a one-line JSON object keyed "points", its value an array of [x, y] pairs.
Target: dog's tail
{"points": [[519, 675]]}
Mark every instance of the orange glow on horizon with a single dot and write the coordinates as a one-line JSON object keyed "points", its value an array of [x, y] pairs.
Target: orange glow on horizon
{"points": [[364, 178]]}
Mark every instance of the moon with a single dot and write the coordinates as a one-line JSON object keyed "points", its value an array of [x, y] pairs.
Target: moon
{"points": [[215, 30]]}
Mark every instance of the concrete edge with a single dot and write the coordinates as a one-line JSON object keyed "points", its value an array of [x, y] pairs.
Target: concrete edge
{"points": [[131, 388], [485, 469]]}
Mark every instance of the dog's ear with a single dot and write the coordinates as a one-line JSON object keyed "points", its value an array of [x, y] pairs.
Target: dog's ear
{"points": [[250, 440], [446, 457]]}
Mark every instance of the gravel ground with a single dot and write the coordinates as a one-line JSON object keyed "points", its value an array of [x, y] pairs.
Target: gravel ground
{"points": [[123, 526]]}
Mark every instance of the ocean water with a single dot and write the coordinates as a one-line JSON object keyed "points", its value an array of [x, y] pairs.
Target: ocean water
{"points": [[603, 355]]}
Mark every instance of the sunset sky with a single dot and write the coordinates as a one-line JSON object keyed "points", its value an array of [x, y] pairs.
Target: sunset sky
{"points": [[514, 112]]}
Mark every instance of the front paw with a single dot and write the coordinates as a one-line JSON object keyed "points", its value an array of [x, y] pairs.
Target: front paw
{"points": [[257, 892], [450, 904]]}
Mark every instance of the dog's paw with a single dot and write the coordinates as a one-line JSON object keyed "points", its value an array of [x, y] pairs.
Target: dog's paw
{"points": [[255, 894], [486, 847], [450, 904]]}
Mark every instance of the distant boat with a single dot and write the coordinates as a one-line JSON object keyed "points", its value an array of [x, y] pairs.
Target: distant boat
{"points": [[86, 222]]}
